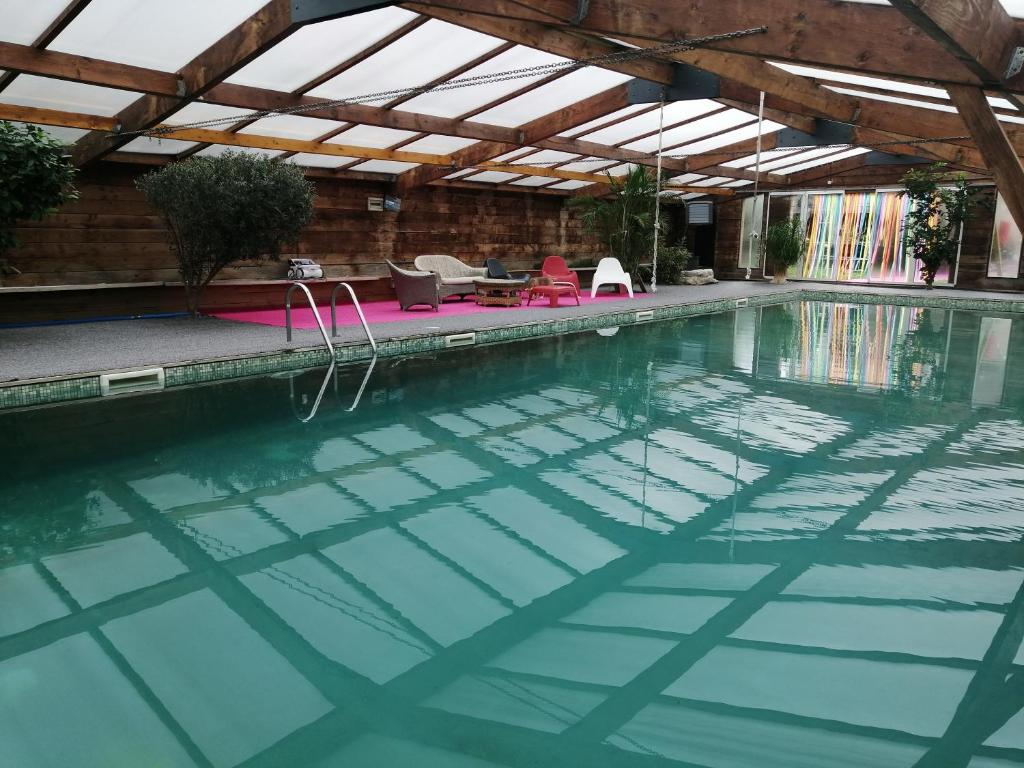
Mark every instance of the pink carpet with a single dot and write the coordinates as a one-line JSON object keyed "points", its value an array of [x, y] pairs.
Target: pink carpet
{"points": [[389, 311]]}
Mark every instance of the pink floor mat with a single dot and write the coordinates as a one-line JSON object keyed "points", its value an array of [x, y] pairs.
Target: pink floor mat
{"points": [[390, 312]]}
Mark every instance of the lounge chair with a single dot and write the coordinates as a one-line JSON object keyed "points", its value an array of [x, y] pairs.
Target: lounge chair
{"points": [[556, 268], [496, 271], [610, 272], [457, 278], [415, 287]]}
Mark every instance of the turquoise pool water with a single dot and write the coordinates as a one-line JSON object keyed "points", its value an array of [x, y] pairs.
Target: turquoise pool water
{"points": [[783, 537]]}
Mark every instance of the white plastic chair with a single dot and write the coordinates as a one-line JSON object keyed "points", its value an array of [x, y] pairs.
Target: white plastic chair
{"points": [[610, 272]]}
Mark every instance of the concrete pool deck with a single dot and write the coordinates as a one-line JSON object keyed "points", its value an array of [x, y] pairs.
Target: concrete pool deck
{"points": [[53, 354]]}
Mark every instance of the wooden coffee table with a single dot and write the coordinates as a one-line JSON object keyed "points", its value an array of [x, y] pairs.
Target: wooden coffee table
{"points": [[499, 293]]}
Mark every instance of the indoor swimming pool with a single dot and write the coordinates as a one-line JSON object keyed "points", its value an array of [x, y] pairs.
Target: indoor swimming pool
{"points": [[781, 537]]}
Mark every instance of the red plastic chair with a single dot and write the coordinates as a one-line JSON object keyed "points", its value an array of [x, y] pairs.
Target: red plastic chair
{"points": [[556, 268]]}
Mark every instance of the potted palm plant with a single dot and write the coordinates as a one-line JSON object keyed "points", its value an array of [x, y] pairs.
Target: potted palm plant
{"points": [[783, 245]]}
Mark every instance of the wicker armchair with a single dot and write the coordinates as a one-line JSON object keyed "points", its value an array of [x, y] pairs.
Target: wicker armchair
{"points": [[415, 287], [457, 278]]}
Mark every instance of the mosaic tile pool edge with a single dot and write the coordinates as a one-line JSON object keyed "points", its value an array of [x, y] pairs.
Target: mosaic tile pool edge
{"points": [[83, 387]]}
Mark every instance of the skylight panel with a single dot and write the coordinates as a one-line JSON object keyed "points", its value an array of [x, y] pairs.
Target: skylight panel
{"points": [[711, 181], [23, 22], [426, 53], [893, 99], [160, 35], [589, 165], [492, 177], [738, 183], [547, 156], [552, 97], [570, 185], [373, 136], [579, 130], [855, 79], [436, 144], [687, 178], [316, 48], [49, 93], [160, 146], [197, 111], [693, 131], [384, 166], [674, 113], [312, 160], [460, 174], [533, 181], [460, 101], [802, 156], [216, 150], [826, 160], [730, 137], [515, 153], [774, 156], [292, 127]]}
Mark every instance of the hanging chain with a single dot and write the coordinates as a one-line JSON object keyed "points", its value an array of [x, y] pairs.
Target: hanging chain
{"points": [[540, 70]]}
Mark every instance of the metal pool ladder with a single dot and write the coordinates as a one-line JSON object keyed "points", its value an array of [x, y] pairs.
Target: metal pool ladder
{"points": [[316, 314]]}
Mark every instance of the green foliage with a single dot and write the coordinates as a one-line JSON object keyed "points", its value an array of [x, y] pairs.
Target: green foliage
{"points": [[784, 243], [624, 220], [672, 260], [931, 231], [35, 177], [227, 209]]}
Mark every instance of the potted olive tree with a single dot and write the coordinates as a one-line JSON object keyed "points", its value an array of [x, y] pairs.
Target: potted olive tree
{"points": [[227, 209], [36, 178], [783, 245], [938, 207]]}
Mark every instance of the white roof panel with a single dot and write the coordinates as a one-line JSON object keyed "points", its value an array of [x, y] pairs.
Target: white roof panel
{"points": [[579, 130], [384, 166], [826, 160], [435, 144], [404, 63], [533, 181], [320, 161], [894, 99], [316, 48], [858, 79], [773, 156], [197, 111], [674, 113], [158, 35], [569, 185], [216, 150], [692, 131], [45, 92], [157, 146], [371, 136], [292, 127], [730, 137], [552, 97], [22, 22], [459, 101], [492, 177], [586, 166]]}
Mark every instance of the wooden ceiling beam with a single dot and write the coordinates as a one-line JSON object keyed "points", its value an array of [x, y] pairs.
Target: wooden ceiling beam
{"points": [[999, 153], [875, 39], [56, 118], [272, 23], [71, 12]]}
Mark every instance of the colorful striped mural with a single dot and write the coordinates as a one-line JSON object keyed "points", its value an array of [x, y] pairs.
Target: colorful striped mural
{"points": [[856, 237]]}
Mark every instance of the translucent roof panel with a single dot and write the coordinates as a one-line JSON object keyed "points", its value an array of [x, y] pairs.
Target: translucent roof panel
{"points": [[32, 91], [687, 178], [384, 166], [23, 22], [711, 181], [857, 79], [460, 101], [157, 146], [730, 137], [674, 113], [826, 160], [65, 135], [738, 183], [492, 177], [894, 99], [533, 181], [618, 114], [460, 174], [403, 63], [197, 111], [216, 150], [436, 144], [772, 156], [589, 165], [158, 35], [515, 153], [316, 48], [292, 127], [552, 97], [569, 185], [371, 136], [801, 157], [320, 161], [692, 131], [547, 157]]}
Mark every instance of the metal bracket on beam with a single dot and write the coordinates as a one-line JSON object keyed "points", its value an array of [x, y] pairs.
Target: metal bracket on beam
{"points": [[309, 11], [825, 132], [688, 84], [582, 8], [1016, 63], [885, 158]]}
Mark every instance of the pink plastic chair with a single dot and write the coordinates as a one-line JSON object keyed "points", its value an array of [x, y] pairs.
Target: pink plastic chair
{"points": [[556, 268]]}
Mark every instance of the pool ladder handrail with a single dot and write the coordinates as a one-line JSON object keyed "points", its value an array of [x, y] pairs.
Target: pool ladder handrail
{"points": [[312, 306], [359, 311]]}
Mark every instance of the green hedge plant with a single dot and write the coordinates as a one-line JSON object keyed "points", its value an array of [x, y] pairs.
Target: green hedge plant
{"points": [[225, 210]]}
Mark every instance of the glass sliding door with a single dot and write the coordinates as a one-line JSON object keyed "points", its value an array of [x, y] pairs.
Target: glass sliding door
{"points": [[751, 229], [1004, 256]]}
